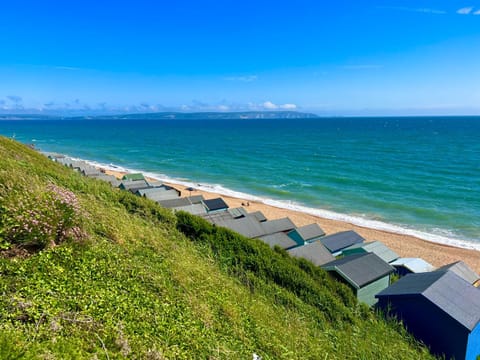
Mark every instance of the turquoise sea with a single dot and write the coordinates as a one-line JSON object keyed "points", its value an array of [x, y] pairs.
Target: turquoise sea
{"points": [[415, 175]]}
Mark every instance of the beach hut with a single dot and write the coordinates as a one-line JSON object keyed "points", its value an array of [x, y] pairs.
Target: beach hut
{"points": [[237, 213], [404, 266], [91, 171], [376, 247], [149, 190], [440, 309], [307, 233], [315, 252], [249, 226], [133, 177], [279, 239], [277, 225], [258, 215], [133, 186], [112, 180], [162, 195], [194, 209], [186, 201], [462, 270], [214, 205], [337, 242], [366, 274]]}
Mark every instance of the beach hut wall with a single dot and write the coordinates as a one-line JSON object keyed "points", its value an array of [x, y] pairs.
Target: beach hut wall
{"points": [[404, 266], [376, 247], [279, 239], [440, 309], [366, 274], [133, 177], [186, 201], [217, 204], [315, 252], [307, 233], [339, 241], [462, 270]]}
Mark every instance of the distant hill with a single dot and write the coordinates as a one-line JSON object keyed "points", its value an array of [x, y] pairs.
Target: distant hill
{"points": [[172, 115], [214, 115]]}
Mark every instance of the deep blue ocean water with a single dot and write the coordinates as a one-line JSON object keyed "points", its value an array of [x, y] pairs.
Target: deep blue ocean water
{"points": [[419, 176]]}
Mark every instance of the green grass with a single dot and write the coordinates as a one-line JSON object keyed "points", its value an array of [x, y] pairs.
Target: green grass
{"points": [[147, 284]]}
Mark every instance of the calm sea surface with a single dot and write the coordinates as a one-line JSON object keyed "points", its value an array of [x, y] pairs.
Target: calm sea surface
{"points": [[418, 176]]}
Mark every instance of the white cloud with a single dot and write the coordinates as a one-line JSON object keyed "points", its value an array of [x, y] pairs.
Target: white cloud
{"points": [[417, 10], [223, 108], [288, 106], [245, 78], [269, 105], [465, 10], [476, 12]]}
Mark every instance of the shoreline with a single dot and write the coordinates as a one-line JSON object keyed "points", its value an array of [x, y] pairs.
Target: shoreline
{"points": [[405, 245]]}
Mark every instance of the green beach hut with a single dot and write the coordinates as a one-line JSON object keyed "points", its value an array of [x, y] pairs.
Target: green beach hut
{"points": [[366, 274]]}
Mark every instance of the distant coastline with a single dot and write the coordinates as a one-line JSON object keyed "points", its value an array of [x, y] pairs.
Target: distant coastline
{"points": [[170, 115]]}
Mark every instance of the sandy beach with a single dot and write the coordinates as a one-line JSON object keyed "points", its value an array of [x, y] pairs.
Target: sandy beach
{"points": [[405, 245]]}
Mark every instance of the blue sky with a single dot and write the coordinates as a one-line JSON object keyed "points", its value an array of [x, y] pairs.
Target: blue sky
{"points": [[342, 58]]}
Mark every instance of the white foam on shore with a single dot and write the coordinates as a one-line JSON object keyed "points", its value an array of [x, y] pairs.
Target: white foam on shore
{"points": [[446, 238]]}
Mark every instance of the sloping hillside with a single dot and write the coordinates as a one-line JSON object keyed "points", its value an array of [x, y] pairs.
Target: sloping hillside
{"points": [[87, 271]]}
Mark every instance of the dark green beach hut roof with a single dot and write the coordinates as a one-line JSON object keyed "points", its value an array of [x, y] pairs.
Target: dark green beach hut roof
{"points": [[360, 269]]}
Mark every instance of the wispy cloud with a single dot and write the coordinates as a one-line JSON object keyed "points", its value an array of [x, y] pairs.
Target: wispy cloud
{"points": [[465, 10], [245, 78], [15, 98], [69, 68], [417, 10], [476, 12]]}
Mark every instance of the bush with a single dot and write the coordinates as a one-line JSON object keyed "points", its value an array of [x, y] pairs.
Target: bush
{"points": [[243, 257], [36, 219]]}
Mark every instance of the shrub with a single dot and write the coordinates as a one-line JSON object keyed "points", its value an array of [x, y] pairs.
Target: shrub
{"points": [[36, 219]]}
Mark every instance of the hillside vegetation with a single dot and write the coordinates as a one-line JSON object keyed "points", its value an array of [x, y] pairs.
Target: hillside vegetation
{"points": [[91, 272]]}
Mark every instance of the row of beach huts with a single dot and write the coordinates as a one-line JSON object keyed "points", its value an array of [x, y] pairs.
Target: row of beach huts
{"points": [[440, 307]]}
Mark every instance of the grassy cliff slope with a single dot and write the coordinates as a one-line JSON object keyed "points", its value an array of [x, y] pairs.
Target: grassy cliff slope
{"points": [[91, 272]]}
